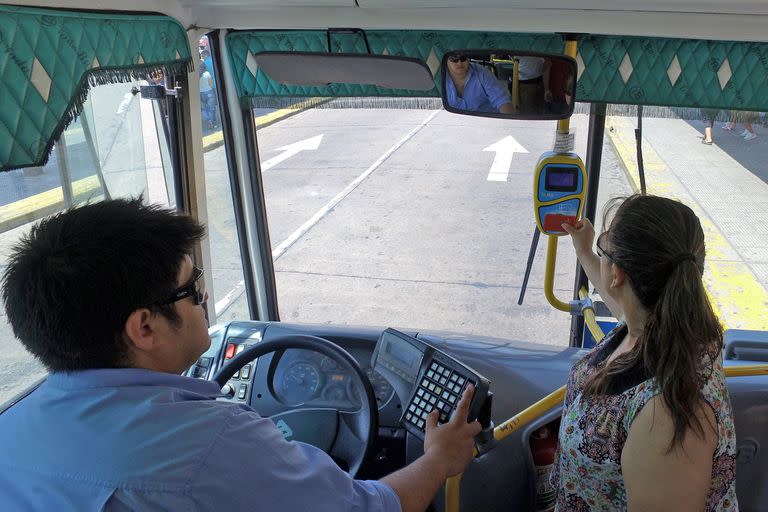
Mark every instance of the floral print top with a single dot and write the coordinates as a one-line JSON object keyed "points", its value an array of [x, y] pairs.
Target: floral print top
{"points": [[593, 431]]}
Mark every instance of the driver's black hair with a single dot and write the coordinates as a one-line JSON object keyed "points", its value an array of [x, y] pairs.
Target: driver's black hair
{"points": [[74, 279]]}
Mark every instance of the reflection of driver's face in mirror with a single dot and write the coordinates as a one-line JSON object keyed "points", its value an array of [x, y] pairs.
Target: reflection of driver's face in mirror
{"points": [[472, 87], [537, 86], [458, 66]]}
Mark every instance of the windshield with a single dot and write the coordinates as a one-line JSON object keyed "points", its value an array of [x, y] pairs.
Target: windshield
{"points": [[419, 218], [398, 213], [394, 212]]}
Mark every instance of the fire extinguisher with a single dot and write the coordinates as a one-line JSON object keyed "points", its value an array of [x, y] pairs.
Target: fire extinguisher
{"points": [[543, 444]]}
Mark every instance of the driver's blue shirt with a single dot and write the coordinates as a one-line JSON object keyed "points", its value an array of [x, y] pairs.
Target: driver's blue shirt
{"points": [[133, 439], [483, 92]]}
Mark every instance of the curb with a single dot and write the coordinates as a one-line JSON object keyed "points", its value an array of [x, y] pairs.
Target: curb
{"points": [[216, 139], [619, 149], [46, 203], [621, 134]]}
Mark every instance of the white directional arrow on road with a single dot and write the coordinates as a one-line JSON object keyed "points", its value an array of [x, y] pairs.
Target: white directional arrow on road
{"points": [[288, 151], [505, 150]]}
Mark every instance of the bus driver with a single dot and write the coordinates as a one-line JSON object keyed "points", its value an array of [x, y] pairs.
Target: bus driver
{"points": [[470, 86], [107, 297]]}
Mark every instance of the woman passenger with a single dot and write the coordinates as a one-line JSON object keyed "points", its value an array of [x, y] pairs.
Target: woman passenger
{"points": [[647, 423]]}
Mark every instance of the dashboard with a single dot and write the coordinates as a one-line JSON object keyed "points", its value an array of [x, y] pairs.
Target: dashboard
{"points": [[303, 377], [278, 385]]}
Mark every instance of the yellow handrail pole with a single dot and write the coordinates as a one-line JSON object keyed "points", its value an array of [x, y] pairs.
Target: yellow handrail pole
{"points": [[571, 45], [563, 126], [549, 276], [452, 493], [746, 370], [589, 318], [453, 484], [529, 414]]}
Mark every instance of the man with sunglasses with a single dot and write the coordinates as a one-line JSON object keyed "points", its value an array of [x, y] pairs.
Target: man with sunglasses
{"points": [[472, 87], [107, 297]]}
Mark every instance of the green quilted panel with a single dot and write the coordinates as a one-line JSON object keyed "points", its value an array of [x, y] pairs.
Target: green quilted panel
{"points": [[428, 46], [631, 70], [673, 72], [49, 58]]}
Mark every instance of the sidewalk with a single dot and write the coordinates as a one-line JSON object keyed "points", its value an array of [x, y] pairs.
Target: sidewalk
{"points": [[726, 184]]}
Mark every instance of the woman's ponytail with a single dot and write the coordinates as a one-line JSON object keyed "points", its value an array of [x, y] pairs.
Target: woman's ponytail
{"points": [[659, 244]]}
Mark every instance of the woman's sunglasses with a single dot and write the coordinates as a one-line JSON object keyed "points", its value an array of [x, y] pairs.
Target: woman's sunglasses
{"points": [[599, 244], [457, 58]]}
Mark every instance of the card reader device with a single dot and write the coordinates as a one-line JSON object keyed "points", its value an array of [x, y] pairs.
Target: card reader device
{"points": [[425, 379], [559, 189]]}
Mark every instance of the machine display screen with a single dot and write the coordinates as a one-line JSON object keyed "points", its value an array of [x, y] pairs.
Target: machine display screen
{"points": [[562, 179], [404, 353], [402, 357]]}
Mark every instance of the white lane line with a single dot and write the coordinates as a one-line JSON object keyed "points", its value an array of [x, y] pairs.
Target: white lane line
{"points": [[232, 295], [505, 149], [310, 144], [317, 217], [225, 302]]}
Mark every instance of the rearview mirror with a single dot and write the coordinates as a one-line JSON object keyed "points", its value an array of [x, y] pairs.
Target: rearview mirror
{"points": [[304, 68], [509, 84]]}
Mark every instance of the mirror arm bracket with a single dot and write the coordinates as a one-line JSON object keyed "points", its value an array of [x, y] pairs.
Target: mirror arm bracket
{"points": [[358, 31]]}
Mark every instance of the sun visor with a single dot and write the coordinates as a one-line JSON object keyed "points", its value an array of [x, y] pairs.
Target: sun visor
{"points": [[253, 81], [656, 71], [306, 68], [49, 58]]}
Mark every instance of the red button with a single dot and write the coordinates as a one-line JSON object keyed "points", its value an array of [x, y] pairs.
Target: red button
{"points": [[230, 353], [553, 222]]}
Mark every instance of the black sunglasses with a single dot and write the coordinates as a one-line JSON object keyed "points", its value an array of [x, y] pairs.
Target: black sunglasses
{"points": [[600, 251], [188, 290], [457, 58]]}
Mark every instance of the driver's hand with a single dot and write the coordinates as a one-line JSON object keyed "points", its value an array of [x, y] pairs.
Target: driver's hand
{"points": [[452, 443], [582, 235]]}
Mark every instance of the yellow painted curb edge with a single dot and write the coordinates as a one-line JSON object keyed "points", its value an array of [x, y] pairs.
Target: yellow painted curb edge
{"points": [[216, 139], [45, 203]]}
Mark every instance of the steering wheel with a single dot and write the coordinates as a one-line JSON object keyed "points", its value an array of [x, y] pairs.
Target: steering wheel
{"points": [[346, 436]]}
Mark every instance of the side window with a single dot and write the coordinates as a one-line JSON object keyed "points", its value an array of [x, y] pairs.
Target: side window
{"points": [[116, 148], [713, 161], [227, 266], [209, 107]]}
